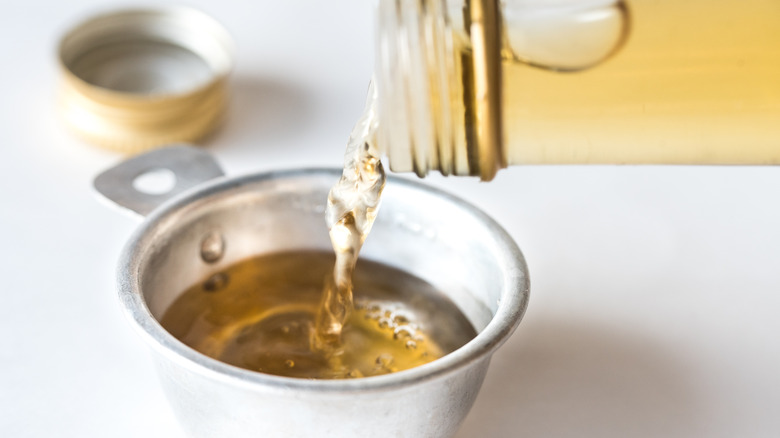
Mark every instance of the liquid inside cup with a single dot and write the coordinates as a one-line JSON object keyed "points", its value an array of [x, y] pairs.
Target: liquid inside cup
{"points": [[259, 314]]}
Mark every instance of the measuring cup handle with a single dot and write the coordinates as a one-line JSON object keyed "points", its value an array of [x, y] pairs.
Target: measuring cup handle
{"points": [[190, 167]]}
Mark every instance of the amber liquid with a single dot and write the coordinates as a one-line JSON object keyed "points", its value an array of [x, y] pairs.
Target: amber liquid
{"points": [[695, 81], [260, 314]]}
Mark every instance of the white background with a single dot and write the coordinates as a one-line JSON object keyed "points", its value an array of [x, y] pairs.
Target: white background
{"points": [[654, 306]]}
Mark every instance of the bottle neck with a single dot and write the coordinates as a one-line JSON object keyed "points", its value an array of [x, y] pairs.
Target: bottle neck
{"points": [[439, 72], [438, 79]]}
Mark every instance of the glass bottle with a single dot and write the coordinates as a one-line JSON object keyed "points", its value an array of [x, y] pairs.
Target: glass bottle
{"points": [[467, 87]]}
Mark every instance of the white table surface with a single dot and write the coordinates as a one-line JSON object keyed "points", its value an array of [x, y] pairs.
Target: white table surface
{"points": [[655, 290]]}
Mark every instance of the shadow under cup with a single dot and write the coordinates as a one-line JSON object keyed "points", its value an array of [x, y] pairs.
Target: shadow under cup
{"points": [[425, 232]]}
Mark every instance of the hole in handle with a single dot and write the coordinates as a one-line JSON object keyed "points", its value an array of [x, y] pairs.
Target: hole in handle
{"points": [[155, 182]]}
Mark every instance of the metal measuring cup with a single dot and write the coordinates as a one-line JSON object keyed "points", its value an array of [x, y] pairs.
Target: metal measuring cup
{"points": [[208, 222]]}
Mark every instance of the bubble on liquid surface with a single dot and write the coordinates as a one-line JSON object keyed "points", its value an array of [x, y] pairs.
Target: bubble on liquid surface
{"points": [[565, 35], [400, 319], [385, 362], [403, 332]]}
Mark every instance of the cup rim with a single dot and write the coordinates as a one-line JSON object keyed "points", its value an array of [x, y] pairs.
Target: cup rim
{"points": [[512, 305]]}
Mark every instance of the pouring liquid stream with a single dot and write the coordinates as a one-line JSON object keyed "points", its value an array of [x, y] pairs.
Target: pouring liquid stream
{"points": [[353, 204]]}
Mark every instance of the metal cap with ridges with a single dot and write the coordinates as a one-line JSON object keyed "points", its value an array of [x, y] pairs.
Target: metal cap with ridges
{"points": [[140, 78]]}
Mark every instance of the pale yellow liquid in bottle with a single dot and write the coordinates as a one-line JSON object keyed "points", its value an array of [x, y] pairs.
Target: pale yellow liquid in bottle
{"points": [[260, 313], [697, 81]]}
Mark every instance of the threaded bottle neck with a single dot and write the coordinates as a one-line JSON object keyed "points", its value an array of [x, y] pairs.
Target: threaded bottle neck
{"points": [[438, 86]]}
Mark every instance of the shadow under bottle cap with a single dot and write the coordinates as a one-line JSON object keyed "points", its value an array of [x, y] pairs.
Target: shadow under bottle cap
{"points": [[140, 78]]}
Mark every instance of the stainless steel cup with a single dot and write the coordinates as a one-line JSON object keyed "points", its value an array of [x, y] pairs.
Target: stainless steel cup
{"points": [[202, 230]]}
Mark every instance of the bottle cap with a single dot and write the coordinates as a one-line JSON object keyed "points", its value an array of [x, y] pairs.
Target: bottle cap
{"points": [[139, 78]]}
